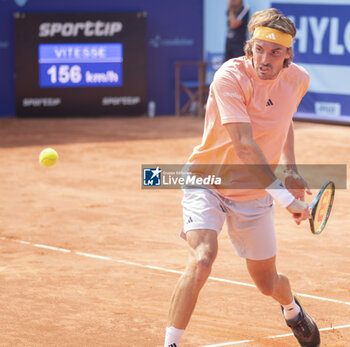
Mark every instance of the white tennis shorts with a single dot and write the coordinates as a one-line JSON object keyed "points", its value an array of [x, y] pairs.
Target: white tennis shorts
{"points": [[250, 223]]}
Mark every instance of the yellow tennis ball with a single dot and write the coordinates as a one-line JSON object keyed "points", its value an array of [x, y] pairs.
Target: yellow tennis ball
{"points": [[48, 157]]}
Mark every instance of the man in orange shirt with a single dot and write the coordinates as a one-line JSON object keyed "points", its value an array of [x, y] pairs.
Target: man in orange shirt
{"points": [[248, 121]]}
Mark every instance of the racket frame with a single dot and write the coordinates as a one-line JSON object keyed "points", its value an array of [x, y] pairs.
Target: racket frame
{"points": [[313, 207]]}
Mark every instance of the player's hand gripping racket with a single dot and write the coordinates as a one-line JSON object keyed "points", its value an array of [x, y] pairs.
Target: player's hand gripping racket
{"points": [[320, 208]]}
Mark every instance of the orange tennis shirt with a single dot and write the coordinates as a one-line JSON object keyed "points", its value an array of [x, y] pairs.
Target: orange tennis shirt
{"points": [[237, 94]]}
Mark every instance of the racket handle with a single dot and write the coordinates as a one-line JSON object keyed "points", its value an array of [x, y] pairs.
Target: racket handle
{"points": [[296, 215]]}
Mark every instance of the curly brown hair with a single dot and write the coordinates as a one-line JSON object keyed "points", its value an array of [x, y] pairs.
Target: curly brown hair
{"points": [[274, 19]]}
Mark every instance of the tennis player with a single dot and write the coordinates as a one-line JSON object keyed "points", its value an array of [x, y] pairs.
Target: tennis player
{"points": [[248, 121]]}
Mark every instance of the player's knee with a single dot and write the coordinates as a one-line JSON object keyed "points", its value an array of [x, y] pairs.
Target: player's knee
{"points": [[203, 263], [203, 253]]}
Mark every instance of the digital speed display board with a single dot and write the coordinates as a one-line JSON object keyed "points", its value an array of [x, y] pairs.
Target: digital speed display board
{"points": [[81, 65], [77, 64]]}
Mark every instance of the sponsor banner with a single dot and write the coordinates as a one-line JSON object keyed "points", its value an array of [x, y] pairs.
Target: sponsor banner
{"points": [[215, 60], [322, 46], [174, 33], [158, 41], [241, 177], [324, 104], [80, 63]]}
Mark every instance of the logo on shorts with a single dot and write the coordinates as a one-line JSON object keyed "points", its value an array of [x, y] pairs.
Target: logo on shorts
{"points": [[152, 177], [189, 220]]}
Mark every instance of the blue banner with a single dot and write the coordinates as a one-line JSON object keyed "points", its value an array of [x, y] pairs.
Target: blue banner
{"points": [[323, 33], [322, 46]]}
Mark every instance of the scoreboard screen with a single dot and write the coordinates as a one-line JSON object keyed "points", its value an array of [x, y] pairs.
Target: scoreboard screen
{"points": [[80, 64]]}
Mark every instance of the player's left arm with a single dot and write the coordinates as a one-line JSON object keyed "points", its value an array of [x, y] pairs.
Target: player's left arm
{"points": [[293, 180]]}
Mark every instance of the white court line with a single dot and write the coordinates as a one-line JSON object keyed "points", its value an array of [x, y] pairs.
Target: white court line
{"points": [[95, 256], [324, 299], [52, 248], [19, 241], [229, 343], [272, 337]]}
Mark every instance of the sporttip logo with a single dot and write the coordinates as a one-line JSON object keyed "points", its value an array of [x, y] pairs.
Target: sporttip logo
{"points": [[88, 29], [152, 177]]}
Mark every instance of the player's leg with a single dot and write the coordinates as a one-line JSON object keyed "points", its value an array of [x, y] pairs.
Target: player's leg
{"points": [[204, 216], [252, 232], [251, 228], [203, 249], [269, 281], [276, 285]]}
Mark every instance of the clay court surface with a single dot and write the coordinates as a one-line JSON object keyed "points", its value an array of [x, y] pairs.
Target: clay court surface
{"points": [[86, 254]]}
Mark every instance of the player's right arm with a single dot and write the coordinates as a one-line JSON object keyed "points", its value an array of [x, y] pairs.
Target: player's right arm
{"points": [[251, 154]]}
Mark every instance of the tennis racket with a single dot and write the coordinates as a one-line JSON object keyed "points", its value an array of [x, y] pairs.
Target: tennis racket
{"points": [[320, 208]]}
